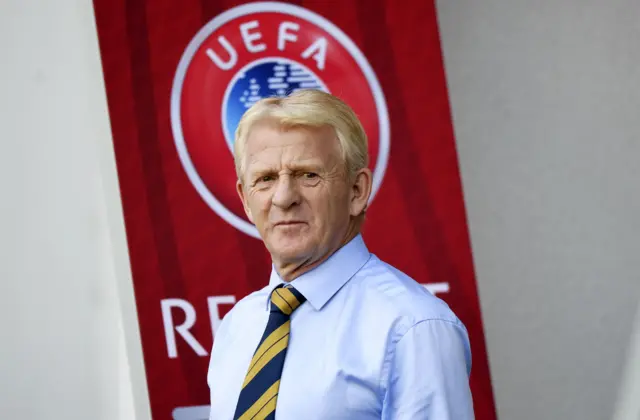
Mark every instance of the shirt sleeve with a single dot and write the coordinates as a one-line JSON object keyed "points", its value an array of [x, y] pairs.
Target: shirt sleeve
{"points": [[428, 376]]}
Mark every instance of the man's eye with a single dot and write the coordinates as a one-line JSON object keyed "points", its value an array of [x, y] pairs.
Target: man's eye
{"points": [[266, 178], [310, 175]]}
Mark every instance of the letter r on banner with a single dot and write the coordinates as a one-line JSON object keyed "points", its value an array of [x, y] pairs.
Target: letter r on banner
{"points": [[182, 329]]}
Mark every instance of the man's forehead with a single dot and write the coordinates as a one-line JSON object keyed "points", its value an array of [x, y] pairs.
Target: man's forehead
{"points": [[260, 163], [305, 143]]}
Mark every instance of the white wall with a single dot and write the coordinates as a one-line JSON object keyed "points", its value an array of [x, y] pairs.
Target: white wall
{"points": [[62, 351], [546, 103]]}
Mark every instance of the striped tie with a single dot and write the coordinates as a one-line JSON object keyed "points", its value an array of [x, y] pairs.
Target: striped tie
{"points": [[262, 382]]}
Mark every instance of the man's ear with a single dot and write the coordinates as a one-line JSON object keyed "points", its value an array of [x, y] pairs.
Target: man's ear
{"points": [[243, 198], [360, 191]]}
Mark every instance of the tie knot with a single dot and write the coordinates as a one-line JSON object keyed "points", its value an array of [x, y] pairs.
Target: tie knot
{"points": [[286, 299]]}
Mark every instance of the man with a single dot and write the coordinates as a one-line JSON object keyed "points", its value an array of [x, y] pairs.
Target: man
{"points": [[337, 333]]}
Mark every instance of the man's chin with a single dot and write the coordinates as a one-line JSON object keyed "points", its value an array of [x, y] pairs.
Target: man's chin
{"points": [[289, 250]]}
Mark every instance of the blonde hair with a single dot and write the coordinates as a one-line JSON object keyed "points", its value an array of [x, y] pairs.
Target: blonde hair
{"points": [[307, 108]]}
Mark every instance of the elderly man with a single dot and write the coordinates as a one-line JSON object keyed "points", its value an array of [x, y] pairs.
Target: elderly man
{"points": [[337, 333]]}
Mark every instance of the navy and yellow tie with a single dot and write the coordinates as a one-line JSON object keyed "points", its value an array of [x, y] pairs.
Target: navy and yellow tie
{"points": [[261, 385]]}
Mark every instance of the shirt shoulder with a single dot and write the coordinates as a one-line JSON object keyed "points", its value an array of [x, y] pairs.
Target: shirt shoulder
{"points": [[246, 308], [398, 296]]}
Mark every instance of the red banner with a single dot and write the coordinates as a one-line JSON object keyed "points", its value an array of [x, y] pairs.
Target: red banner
{"points": [[179, 74]]}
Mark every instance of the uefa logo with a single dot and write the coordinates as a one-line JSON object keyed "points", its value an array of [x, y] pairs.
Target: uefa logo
{"points": [[255, 51]]}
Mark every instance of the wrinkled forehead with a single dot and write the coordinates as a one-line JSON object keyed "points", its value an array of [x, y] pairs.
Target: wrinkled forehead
{"points": [[271, 143]]}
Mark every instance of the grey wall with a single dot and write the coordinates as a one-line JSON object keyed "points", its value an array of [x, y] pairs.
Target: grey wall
{"points": [[546, 105]]}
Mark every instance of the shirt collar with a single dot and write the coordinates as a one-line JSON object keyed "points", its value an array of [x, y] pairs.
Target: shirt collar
{"points": [[321, 283]]}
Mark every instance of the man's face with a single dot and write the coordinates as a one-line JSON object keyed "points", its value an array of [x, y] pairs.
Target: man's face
{"points": [[295, 190]]}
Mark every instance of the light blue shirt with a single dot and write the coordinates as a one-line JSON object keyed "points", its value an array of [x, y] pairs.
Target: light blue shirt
{"points": [[369, 343]]}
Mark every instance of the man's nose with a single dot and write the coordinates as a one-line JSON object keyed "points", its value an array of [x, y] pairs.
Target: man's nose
{"points": [[286, 192]]}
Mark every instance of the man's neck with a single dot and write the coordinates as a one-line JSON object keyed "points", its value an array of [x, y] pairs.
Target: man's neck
{"points": [[289, 271]]}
